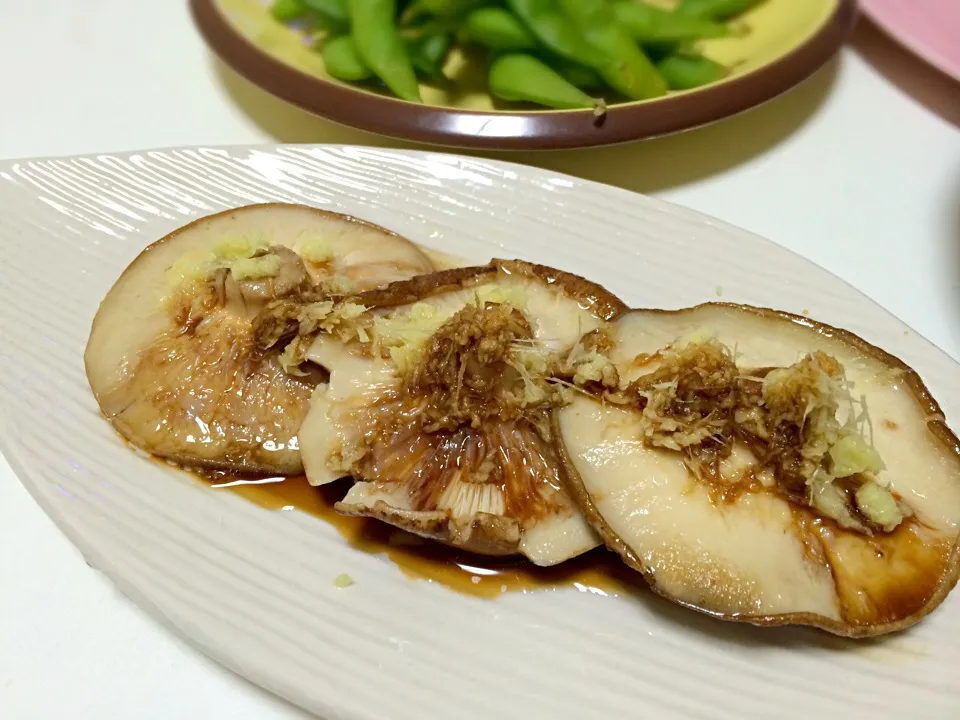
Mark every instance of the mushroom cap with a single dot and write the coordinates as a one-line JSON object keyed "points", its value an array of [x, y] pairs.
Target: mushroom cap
{"points": [[750, 554], [196, 390], [493, 488]]}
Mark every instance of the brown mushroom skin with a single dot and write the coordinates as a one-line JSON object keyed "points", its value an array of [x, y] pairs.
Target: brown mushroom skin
{"points": [[882, 584], [591, 297], [381, 493], [202, 394]]}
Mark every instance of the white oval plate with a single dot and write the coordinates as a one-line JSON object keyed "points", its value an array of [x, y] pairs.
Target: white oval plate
{"points": [[254, 589]]}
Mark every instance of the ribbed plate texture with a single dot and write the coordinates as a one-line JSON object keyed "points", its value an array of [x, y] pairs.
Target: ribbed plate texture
{"points": [[255, 590]]}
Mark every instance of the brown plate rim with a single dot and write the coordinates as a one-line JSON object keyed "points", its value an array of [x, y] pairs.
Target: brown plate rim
{"points": [[520, 130]]}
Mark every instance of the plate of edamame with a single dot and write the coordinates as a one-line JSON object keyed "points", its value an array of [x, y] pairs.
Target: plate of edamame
{"points": [[525, 74]]}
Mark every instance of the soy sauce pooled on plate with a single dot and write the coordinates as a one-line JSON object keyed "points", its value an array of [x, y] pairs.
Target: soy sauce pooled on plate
{"points": [[598, 572]]}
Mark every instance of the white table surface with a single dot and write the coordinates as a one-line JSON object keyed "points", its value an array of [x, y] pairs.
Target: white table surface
{"points": [[858, 170]]}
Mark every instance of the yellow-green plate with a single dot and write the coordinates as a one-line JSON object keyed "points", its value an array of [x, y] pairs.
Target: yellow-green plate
{"points": [[786, 42]]}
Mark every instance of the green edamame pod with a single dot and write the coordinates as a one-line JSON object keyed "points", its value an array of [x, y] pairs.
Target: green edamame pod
{"points": [[448, 8], [648, 24], [555, 30], [429, 53], [328, 26], [334, 10], [583, 77], [433, 49], [714, 9], [286, 10], [379, 43], [685, 72], [430, 26], [342, 60], [437, 8], [497, 29], [402, 6], [522, 77], [629, 71]]}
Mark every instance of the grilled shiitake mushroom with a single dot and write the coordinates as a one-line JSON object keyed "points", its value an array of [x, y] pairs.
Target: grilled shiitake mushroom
{"points": [[766, 468], [172, 357], [438, 404]]}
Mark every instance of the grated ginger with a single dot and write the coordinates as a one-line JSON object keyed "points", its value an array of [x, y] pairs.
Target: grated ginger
{"points": [[587, 363], [802, 402], [698, 402], [229, 249], [404, 334], [191, 267], [852, 454], [254, 268], [247, 259], [879, 505], [500, 295], [316, 250], [343, 581]]}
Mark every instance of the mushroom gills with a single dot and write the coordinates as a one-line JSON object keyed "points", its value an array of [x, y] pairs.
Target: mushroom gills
{"points": [[442, 413], [173, 357], [852, 528]]}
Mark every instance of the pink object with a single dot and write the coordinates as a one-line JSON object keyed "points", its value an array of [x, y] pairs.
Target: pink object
{"points": [[930, 28]]}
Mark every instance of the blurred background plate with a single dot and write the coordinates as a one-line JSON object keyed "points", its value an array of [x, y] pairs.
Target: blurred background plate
{"points": [[930, 28], [788, 41]]}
